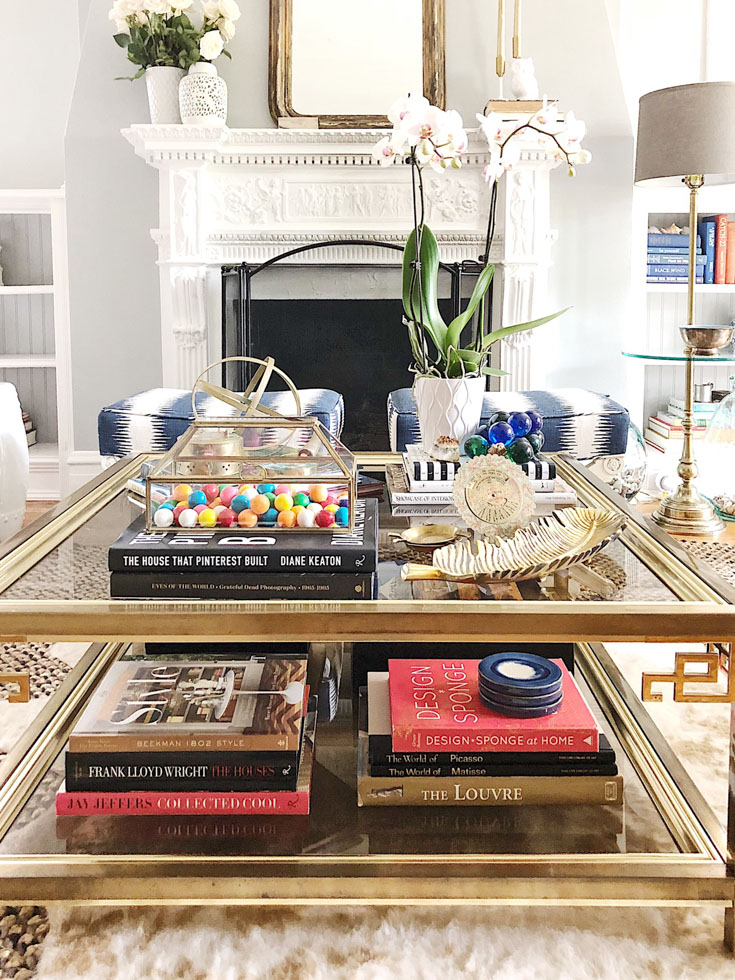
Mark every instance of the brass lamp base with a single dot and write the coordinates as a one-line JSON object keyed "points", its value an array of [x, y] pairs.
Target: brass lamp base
{"points": [[686, 512]]}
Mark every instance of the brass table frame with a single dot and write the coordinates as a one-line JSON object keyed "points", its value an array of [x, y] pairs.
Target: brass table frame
{"points": [[700, 875]]}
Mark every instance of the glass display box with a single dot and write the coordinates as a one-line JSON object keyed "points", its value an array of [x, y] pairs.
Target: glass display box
{"points": [[229, 474]]}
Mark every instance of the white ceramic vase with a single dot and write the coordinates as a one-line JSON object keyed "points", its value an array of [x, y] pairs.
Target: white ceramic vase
{"points": [[162, 84], [13, 463], [203, 96], [448, 407]]}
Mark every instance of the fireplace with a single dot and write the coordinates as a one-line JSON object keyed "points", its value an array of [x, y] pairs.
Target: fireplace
{"points": [[332, 325]]}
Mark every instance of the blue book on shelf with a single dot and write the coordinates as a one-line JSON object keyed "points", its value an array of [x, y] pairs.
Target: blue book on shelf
{"points": [[707, 234], [662, 250], [661, 240], [679, 279], [678, 261]]}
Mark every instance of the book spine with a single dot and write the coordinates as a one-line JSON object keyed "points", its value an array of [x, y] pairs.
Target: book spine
{"points": [[730, 254], [445, 489], [506, 791], [674, 279], [146, 802], [663, 240], [720, 248], [664, 250], [467, 772], [255, 561], [150, 585], [708, 236], [434, 497], [677, 261], [285, 745], [520, 739], [676, 407], [678, 271], [380, 753], [121, 772]]}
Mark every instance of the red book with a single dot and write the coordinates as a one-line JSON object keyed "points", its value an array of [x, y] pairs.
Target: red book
{"points": [[720, 248], [435, 704], [730, 253]]}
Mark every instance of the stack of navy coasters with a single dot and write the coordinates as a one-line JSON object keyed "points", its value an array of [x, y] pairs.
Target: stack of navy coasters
{"points": [[520, 685]]}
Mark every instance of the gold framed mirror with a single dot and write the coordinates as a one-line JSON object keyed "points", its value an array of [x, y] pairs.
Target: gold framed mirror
{"points": [[343, 62]]}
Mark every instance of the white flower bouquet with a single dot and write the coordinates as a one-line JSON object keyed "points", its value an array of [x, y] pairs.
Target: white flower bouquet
{"points": [[161, 33]]}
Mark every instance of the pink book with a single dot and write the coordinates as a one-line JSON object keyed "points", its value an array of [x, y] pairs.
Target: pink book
{"points": [[435, 705]]}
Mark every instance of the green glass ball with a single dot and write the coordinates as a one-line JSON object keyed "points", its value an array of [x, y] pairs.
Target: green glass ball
{"points": [[476, 446], [521, 451], [537, 440], [497, 417]]}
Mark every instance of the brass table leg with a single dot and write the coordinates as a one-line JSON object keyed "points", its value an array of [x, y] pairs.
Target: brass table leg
{"points": [[730, 912]]}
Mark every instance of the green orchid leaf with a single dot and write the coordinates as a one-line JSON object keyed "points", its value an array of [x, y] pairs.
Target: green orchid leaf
{"points": [[496, 335], [454, 331], [426, 283], [494, 372]]}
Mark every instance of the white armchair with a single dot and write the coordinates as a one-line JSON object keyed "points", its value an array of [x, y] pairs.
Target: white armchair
{"points": [[13, 463]]}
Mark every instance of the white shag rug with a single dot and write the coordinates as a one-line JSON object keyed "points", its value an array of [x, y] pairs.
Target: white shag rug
{"points": [[369, 943]]}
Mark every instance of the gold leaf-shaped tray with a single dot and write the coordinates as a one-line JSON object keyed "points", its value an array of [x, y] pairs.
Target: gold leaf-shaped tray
{"points": [[550, 544]]}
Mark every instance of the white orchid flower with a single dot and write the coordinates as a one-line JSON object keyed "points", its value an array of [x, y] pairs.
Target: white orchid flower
{"points": [[410, 106], [581, 157], [431, 126], [491, 126], [455, 132], [548, 114], [575, 130], [385, 151]]}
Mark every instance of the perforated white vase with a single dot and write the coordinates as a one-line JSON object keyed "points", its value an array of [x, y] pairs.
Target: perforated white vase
{"points": [[203, 96], [162, 84], [448, 407], [13, 463]]}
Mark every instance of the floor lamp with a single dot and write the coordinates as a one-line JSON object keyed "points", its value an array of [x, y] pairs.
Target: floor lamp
{"points": [[686, 134]]}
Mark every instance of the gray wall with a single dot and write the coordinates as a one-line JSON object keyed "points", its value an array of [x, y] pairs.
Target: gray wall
{"points": [[112, 194]]}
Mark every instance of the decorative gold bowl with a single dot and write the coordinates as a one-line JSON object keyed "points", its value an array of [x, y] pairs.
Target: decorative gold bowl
{"points": [[706, 341]]}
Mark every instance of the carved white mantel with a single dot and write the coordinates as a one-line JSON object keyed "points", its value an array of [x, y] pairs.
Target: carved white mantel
{"points": [[234, 195]]}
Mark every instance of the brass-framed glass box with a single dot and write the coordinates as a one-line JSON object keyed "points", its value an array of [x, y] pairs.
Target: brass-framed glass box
{"points": [[225, 474]]}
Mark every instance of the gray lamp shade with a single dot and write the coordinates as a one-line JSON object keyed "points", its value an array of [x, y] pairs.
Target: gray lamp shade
{"points": [[686, 130]]}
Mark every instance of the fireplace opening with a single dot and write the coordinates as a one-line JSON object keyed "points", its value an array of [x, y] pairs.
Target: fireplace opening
{"points": [[332, 325]]}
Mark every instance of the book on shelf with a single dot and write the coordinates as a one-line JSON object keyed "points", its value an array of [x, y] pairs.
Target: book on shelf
{"points": [[673, 431], [678, 261], [720, 248], [245, 585], [665, 240], [28, 424], [675, 418], [677, 405], [31, 437], [680, 280], [423, 699], [150, 706], [730, 254], [678, 271], [707, 233], [554, 491], [672, 438], [138, 550]]}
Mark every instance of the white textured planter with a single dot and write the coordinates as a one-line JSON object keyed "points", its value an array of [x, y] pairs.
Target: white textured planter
{"points": [[162, 84], [203, 96], [448, 407], [13, 463]]}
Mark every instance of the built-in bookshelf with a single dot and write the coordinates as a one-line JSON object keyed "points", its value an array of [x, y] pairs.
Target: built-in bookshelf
{"points": [[34, 338]]}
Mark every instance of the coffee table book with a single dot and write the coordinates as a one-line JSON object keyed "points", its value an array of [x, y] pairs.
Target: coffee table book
{"points": [[249, 586]]}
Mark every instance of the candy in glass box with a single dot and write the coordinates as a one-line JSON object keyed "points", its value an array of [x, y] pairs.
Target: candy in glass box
{"points": [[284, 474]]}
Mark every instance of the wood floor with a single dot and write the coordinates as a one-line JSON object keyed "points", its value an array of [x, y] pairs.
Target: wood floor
{"points": [[36, 508]]}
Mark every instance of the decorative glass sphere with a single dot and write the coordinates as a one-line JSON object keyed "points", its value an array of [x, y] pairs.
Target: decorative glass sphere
{"points": [[497, 417], [501, 432], [521, 451], [625, 474], [520, 423], [483, 431], [476, 446], [537, 440], [537, 423]]}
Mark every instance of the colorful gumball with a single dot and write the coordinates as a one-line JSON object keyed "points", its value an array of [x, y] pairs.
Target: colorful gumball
{"points": [[331, 499], [247, 518], [207, 517], [248, 492], [521, 451], [169, 504], [283, 488], [216, 503], [501, 433], [260, 504], [266, 487], [286, 518], [314, 507], [344, 501], [240, 502], [182, 491], [227, 495], [270, 516], [197, 497], [283, 501], [342, 516], [306, 518], [333, 508], [188, 518], [199, 508], [210, 490], [297, 510], [318, 493], [271, 496], [226, 517], [325, 518], [476, 446], [219, 508], [164, 517], [520, 423], [301, 499], [178, 510], [537, 423]]}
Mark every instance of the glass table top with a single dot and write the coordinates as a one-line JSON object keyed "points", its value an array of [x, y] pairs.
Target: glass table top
{"points": [[721, 358]]}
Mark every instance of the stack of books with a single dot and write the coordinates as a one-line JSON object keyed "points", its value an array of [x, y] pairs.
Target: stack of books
{"points": [[668, 258], [426, 739], [31, 434], [665, 431], [717, 233], [422, 486], [243, 564], [183, 737]]}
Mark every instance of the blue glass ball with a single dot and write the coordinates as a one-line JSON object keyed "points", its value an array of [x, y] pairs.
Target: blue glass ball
{"points": [[520, 423], [342, 516], [537, 423], [483, 431], [270, 516], [197, 497], [501, 432], [498, 417]]}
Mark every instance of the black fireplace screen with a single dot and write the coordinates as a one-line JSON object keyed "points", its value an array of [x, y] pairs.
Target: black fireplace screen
{"points": [[331, 325]]}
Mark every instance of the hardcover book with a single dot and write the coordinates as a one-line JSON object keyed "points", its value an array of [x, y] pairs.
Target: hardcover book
{"points": [[219, 585], [707, 233], [421, 468], [435, 705], [720, 248], [137, 550], [248, 705], [666, 240]]}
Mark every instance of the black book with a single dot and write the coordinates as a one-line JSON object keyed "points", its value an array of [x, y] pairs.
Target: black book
{"points": [[181, 772], [252, 585], [240, 552]]}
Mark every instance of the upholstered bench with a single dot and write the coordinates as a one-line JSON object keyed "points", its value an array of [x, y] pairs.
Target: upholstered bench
{"points": [[577, 421], [152, 421]]}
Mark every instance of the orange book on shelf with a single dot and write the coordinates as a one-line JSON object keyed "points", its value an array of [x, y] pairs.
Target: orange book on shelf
{"points": [[730, 254], [720, 248]]}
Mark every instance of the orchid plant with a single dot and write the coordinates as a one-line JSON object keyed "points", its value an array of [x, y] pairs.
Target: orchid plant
{"points": [[425, 136], [161, 33]]}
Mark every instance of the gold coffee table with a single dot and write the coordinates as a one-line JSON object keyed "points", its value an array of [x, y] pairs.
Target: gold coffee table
{"points": [[664, 847]]}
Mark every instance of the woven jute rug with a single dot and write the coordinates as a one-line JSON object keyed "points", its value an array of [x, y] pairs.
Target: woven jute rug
{"points": [[718, 555]]}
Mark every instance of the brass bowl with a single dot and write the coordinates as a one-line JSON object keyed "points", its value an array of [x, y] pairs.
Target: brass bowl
{"points": [[429, 536], [706, 341]]}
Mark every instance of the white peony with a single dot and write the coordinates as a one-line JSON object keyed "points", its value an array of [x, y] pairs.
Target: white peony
{"points": [[210, 10], [118, 14], [211, 45], [227, 30], [229, 10], [179, 6], [162, 7]]}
